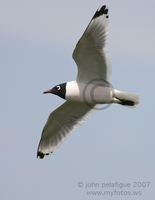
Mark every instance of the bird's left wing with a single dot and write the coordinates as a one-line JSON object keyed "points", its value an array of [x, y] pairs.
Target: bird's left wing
{"points": [[90, 53], [60, 124]]}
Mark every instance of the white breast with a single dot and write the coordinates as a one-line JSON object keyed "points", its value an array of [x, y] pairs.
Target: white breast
{"points": [[90, 93]]}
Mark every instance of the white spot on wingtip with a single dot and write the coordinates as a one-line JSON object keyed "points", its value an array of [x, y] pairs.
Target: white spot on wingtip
{"points": [[99, 8]]}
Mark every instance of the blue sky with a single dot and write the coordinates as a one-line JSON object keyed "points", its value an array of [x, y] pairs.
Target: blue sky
{"points": [[37, 39]]}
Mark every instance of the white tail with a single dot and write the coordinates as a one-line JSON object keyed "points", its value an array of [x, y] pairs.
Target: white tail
{"points": [[127, 99]]}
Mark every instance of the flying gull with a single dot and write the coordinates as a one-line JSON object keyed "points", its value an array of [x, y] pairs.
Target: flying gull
{"points": [[90, 89]]}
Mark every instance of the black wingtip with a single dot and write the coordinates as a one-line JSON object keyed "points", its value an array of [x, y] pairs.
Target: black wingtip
{"points": [[102, 10], [41, 155]]}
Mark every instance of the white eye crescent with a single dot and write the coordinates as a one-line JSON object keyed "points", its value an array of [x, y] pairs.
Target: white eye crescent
{"points": [[58, 87]]}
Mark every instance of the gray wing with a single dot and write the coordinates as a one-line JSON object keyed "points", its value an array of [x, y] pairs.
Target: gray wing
{"points": [[60, 124], [90, 53]]}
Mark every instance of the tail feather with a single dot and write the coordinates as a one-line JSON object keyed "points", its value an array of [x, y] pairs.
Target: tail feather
{"points": [[130, 100]]}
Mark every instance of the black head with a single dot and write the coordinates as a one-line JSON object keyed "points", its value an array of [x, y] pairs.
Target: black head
{"points": [[59, 90]]}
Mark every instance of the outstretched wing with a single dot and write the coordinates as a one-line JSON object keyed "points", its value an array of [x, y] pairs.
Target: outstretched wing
{"points": [[60, 124], [90, 53]]}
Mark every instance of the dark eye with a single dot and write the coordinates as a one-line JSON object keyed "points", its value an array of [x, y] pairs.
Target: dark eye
{"points": [[58, 87]]}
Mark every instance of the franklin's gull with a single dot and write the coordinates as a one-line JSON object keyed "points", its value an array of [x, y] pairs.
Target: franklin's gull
{"points": [[90, 88]]}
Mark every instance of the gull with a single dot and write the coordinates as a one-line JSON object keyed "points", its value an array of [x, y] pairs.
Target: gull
{"points": [[90, 89]]}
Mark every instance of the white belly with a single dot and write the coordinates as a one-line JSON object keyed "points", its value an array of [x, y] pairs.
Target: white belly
{"points": [[90, 93]]}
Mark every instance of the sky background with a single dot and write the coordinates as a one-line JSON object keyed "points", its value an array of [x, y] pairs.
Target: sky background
{"points": [[37, 39]]}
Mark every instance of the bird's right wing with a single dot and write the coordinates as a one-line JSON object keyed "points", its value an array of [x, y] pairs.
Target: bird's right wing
{"points": [[60, 124]]}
